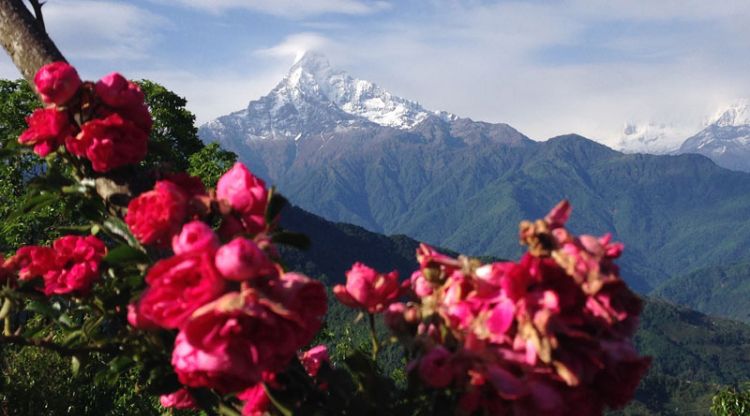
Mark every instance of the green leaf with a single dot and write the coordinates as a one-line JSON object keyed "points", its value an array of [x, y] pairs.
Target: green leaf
{"points": [[125, 254], [75, 365], [118, 227], [40, 307], [33, 204]]}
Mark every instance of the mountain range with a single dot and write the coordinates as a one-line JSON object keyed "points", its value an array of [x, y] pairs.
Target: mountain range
{"points": [[347, 150]]}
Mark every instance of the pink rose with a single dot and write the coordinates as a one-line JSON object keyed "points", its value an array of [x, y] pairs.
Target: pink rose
{"points": [[196, 236], [303, 296], [242, 259], [109, 143], [155, 216], [246, 194], [256, 401], [181, 399], [77, 264], [32, 261], [57, 82], [137, 320], [313, 359], [178, 286], [420, 285], [116, 91], [223, 369], [48, 129], [367, 289], [229, 343], [435, 368]]}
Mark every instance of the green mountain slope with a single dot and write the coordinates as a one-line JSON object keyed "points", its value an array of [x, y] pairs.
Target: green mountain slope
{"points": [[466, 185], [720, 290]]}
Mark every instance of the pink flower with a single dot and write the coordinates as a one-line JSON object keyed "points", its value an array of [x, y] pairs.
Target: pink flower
{"points": [[313, 359], [77, 265], [32, 261], [157, 215], [242, 259], [246, 194], [256, 400], [420, 285], [137, 320], [116, 91], [229, 343], [367, 289], [196, 236], [223, 369], [109, 143], [57, 82], [305, 298], [178, 286], [435, 368], [181, 399], [48, 129]]}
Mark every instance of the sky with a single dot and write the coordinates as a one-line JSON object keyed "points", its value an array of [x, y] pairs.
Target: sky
{"points": [[544, 67]]}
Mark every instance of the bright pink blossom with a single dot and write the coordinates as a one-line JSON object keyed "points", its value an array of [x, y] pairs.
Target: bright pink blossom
{"points": [[367, 289], [77, 265], [242, 259], [178, 286], [314, 358], [109, 143], [157, 215], [48, 129], [181, 399], [256, 401], [246, 194], [196, 236], [57, 82]]}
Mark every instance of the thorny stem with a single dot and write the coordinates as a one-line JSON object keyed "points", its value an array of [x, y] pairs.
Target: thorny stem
{"points": [[374, 336]]}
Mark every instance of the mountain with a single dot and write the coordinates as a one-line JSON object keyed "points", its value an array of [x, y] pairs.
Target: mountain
{"points": [[720, 290], [650, 137], [458, 183], [694, 354], [725, 139]]}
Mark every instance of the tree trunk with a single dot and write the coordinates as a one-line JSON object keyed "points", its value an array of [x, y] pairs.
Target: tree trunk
{"points": [[25, 40]]}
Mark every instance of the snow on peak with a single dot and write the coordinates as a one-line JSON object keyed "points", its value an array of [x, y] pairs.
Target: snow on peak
{"points": [[312, 76], [649, 137], [736, 114]]}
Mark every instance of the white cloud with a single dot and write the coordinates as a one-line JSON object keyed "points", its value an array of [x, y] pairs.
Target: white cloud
{"points": [[102, 30], [296, 45], [291, 8]]}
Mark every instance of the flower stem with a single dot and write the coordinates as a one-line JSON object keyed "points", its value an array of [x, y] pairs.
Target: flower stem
{"points": [[374, 336]]}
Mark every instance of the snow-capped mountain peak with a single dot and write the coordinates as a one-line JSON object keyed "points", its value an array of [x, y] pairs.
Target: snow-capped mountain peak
{"points": [[649, 137], [314, 97], [736, 114], [312, 73]]}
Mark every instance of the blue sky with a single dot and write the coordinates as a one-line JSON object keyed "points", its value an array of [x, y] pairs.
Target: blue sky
{"points": [[545, 67]]}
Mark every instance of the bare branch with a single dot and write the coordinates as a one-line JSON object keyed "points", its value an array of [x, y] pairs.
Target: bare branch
{"points": [[37, 6], [25, 39]]}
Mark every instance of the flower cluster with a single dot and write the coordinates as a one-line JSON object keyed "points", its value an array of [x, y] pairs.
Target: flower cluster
{"points": [[240, 316], [106, 122], [71, 265], [549, 334]]}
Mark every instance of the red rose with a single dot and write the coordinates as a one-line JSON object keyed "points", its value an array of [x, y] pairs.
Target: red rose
{"points": [[32, 261], [109, 143], [195, 237], [126, 97], [57, 82], [178, 286], [157, 215], [48, 130], [314, 358], [246, 194], [77, 264]]}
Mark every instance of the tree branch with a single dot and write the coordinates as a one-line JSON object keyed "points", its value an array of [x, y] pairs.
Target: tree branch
{"points": [[25, 40], [65, 351], [37, 6]]}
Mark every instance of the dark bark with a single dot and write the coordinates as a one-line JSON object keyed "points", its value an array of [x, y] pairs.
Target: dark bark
{"points": [[25, 40]]}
